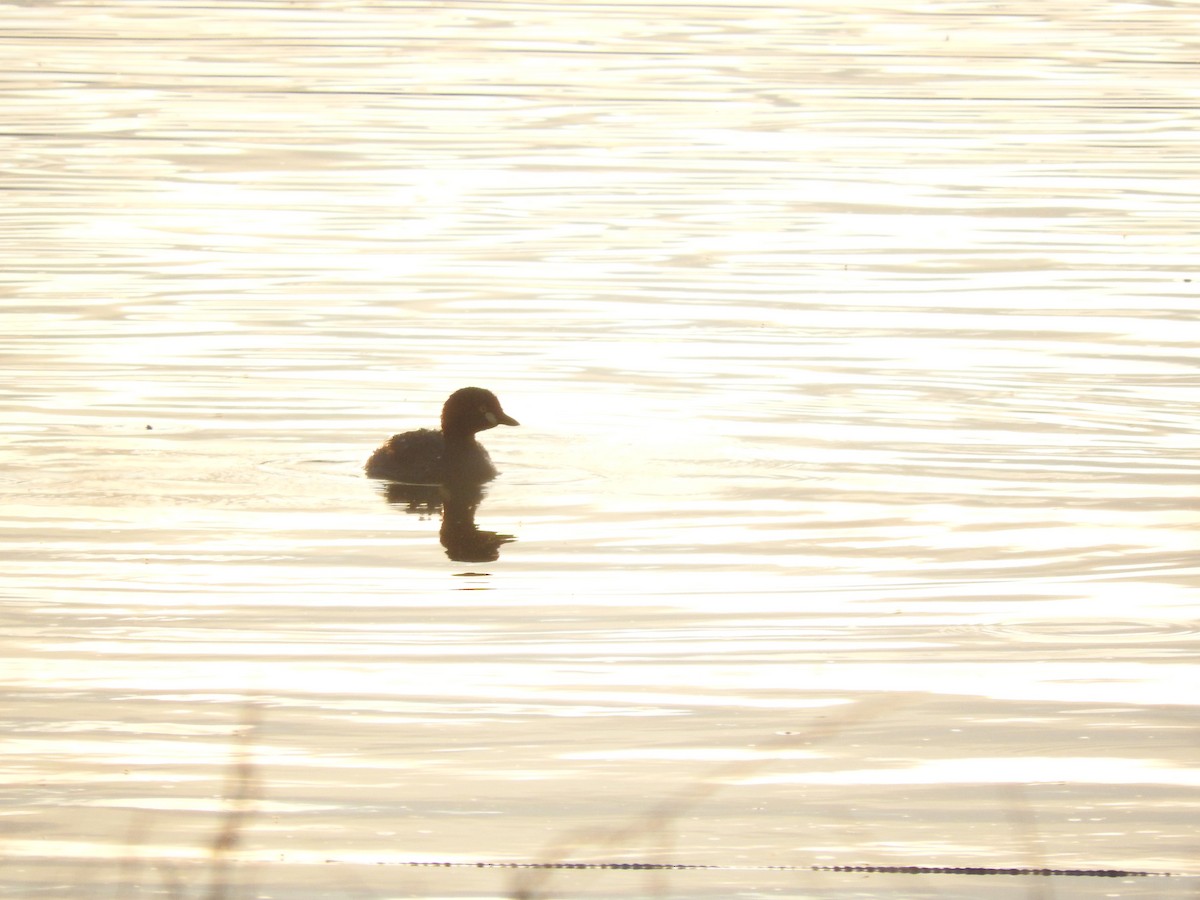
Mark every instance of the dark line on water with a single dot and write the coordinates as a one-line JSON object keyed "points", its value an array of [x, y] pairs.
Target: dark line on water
{"points": [[694, 867]]}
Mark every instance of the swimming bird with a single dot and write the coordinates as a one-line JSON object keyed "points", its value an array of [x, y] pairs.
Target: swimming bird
{"points": [[449, 455]]}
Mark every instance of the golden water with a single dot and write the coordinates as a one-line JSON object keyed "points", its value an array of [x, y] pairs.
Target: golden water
{"points": [[853, 502]]}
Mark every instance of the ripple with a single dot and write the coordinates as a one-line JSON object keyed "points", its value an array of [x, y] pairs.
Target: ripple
{"points": [[346, 466], [1102, 633]]}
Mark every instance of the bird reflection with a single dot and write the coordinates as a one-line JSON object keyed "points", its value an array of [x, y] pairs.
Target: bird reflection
{"points": [[444, 471], [457, 502]]}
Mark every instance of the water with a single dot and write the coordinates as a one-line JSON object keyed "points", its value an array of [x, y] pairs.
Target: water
{"points": [[852, 510]]}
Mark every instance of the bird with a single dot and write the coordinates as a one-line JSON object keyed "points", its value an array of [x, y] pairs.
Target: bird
{"points": [[450, 455]]}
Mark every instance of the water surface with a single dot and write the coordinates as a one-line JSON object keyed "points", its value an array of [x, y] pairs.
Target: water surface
{"points": [[852, 512]]}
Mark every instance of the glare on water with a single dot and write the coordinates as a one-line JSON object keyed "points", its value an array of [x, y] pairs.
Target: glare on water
{"points": [[850, 522]]}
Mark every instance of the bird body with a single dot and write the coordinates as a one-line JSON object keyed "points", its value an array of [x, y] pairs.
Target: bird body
{"points": [[451, 455]]}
